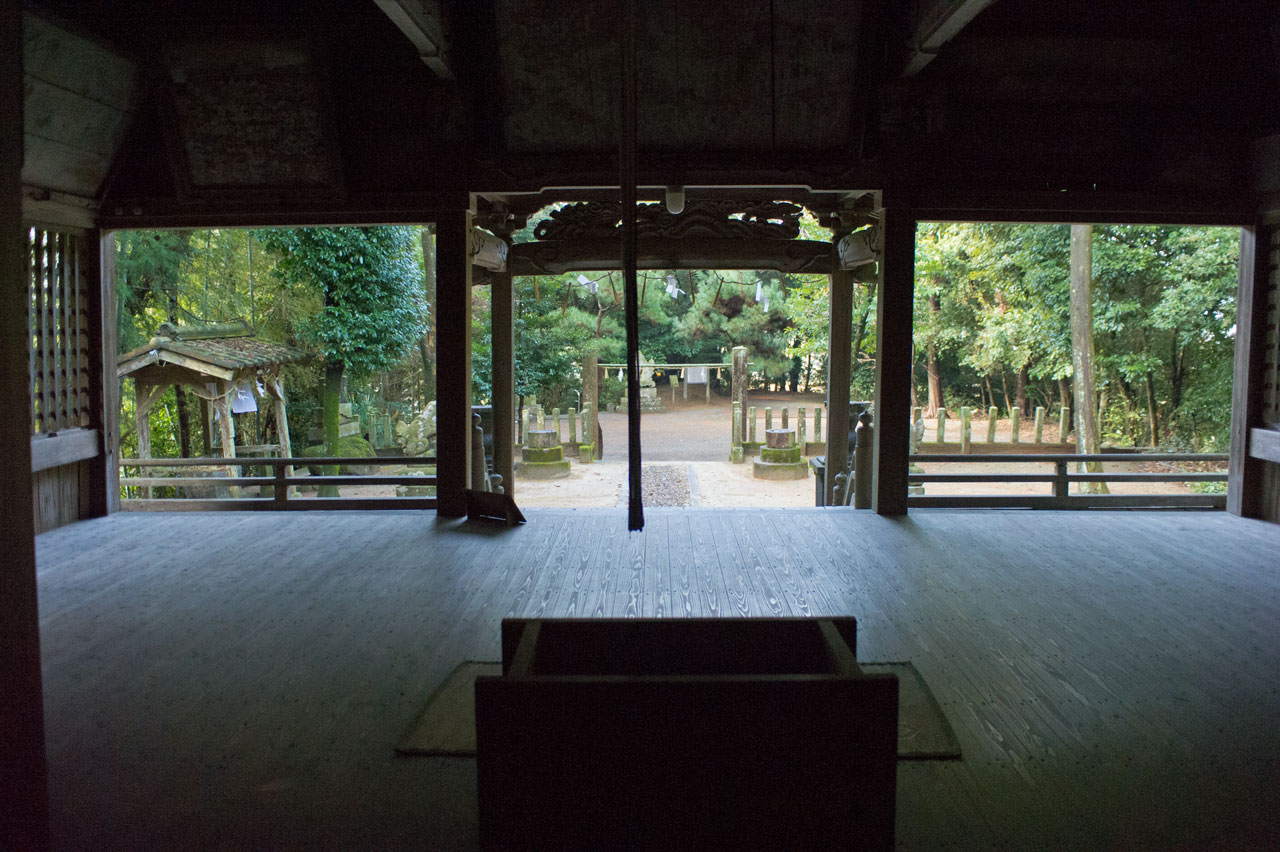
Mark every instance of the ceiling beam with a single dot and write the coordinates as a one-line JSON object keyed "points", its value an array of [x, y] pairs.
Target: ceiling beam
{"points": [[940, 21], [422, 24]]}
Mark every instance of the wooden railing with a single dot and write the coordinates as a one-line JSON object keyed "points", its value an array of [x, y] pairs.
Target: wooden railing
{"points": [[283, 483], [1060, 496]]}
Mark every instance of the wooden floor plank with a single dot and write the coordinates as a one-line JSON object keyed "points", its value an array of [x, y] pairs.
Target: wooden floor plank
{"points": [[238, 680]]}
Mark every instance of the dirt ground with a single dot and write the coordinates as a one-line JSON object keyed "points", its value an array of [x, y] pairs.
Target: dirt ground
{"points": [[696, 436]]}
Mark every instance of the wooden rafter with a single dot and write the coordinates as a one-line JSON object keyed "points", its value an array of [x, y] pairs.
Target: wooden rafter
{"points": [[939, 22], [422, 24]]}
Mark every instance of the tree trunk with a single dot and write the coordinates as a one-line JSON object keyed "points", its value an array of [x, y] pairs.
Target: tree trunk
{"points": [[1176, 374], [931, 363], [184, 422], [179, 393], [1153, 423], [1082, 352], [332, 419], [859, 334], [425, 347], [1064, 400], [1020, 392], [1004, 386]]}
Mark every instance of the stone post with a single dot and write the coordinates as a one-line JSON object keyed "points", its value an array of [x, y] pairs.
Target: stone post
{"points": [[1039, 424], [768, 418], [479, 475], [966, 439], [800, 428], [736, 454], [993, 418], [817, 424], [1015, 423], [1064, 416], [739, 388], [751, 424], [555, 424], [784, 419], [573, 426], [590, 397], [942, 425]]}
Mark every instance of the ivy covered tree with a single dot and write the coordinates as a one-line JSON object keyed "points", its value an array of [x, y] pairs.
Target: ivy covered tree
{"points": [[373, 310]]}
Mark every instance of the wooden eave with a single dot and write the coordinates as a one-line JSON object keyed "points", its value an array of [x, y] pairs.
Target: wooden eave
{"points": [[217, 358]]}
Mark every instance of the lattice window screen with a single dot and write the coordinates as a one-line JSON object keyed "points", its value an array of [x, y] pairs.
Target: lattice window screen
{"points": [[1271, 371], [57, 314]]}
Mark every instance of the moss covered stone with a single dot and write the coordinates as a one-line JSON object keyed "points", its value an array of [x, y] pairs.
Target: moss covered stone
{"points": [[544, 470], [349, 446], [541, 454], [790, 455]]}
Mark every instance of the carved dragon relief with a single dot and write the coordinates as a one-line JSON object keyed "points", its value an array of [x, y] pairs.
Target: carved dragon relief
{"points": [[769, 220]]}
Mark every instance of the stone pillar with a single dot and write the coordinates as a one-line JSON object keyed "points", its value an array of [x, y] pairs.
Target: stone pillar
{"points": [[993, 419], [768, 418], [785, 418], [942, 425], [1039, 424], [966, 437], [800, 428], [751, 424], [1064, 417], [1015, 425], [590, 399], [479, 476], [739, 386], [817, 425], [736, 453]]}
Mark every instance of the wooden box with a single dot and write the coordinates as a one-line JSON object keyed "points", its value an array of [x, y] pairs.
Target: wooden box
{"points": [[685, 734]]}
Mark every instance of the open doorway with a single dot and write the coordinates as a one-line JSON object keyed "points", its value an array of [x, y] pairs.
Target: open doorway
{"points": [[694, 317]]}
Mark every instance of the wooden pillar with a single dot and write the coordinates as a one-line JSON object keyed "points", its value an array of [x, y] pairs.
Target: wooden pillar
{"points": [[839, 368], [1245, 474], [453, 354], [144, 397], [504, 386], [893, 361], [104, 387], [275, 387], [24, 802]]}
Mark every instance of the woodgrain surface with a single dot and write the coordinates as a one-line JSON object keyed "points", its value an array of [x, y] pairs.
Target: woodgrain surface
{"points": [[239, 680]]}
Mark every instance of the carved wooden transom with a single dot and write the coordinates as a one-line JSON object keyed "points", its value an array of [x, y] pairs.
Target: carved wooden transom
{"points": [[768, 220]]}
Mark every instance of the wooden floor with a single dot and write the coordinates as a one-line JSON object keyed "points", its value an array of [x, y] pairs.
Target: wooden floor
{"points": [[238, 680]]}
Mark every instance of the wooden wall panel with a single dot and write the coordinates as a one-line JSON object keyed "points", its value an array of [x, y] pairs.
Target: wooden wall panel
{"points": [[60, 496]]}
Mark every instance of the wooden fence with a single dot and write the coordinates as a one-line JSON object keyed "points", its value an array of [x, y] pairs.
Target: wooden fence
{"points": [[275, 490], [1060, 481]]}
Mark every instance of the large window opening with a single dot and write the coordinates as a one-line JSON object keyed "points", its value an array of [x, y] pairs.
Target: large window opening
{"points": [[276, 367], [1037, 346]]}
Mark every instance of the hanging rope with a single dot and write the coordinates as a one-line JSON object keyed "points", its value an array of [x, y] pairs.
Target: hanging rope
{"points": [[627, 184]]}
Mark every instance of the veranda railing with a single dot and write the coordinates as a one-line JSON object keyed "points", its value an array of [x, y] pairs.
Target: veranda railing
{"points": [[1060, 495], [277, 492]]}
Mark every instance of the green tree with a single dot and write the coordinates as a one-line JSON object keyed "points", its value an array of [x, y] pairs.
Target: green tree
{"points": [[373, 311]]}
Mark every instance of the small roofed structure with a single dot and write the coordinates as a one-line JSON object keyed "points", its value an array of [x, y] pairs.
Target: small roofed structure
{"points": [[218, 364]]}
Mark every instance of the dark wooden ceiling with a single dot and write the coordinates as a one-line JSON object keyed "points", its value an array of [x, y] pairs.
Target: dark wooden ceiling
{"points": [[227, 104]]}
